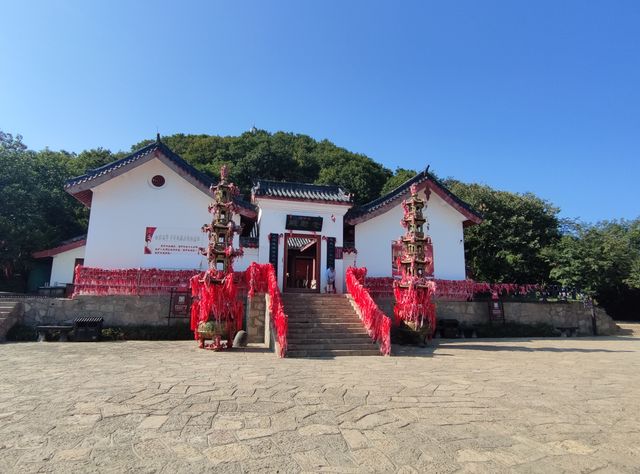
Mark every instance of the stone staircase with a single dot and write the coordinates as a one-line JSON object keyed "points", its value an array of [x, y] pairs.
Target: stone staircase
{"points": [[323, 325], [9, 315]]}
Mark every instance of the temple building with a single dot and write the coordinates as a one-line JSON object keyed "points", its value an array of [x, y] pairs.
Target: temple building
{"points": [[147, 211]]}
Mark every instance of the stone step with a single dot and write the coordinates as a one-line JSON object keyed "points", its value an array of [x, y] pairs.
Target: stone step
{"points": [[329, 340], [330, 332], [303, 306], [330, 346], [7, 319], [319, 307], [300, 303], [314, 295], [331, 336], [333, 353], [328, 321], [325, 326], [323, 317], [330, 327], [315, 309]]}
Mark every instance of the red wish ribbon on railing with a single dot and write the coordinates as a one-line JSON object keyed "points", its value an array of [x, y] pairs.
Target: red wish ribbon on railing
{"points": [[378, 325]]}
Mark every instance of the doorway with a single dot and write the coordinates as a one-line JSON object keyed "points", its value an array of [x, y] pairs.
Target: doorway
{"points": [[301, 263]]}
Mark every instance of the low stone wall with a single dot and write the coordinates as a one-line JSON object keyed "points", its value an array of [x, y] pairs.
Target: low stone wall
{"points": [[256, 318], [556, 314], [124, 310], [153, 310], [116, 310]]}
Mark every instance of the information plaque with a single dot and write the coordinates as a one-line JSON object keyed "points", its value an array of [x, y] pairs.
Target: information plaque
{"points": [[313, 224]]}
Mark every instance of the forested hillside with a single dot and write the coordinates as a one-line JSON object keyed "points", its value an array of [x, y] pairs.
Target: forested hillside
{"points": [[521, 240], [283, 157]]}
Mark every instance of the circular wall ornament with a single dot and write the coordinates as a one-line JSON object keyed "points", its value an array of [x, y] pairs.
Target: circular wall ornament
{"points": [[158, 181]]}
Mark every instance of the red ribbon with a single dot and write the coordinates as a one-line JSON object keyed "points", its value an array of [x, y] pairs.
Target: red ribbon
{"points": [[378, 325]]}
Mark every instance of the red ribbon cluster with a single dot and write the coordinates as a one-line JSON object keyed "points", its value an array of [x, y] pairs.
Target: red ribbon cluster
{"points": [[136, 281], [257, 278], [453, 289], [215, 301], [262, 278], [380, 286], [465, 289], [378, 325], [414, 303]]}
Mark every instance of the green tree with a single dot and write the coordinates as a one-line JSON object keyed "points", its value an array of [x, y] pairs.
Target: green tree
{"points": [[604, 261], [280, 156], [35, 212], [398, 178], [509, 244]]}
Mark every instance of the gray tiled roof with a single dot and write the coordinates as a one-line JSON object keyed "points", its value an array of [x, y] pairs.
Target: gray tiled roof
{"points": [[298, 242], [386, 200], [197, 177], [304, 191], [137, 155]]}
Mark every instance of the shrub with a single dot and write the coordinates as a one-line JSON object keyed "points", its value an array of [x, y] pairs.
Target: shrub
{"points": [[112, 334]]}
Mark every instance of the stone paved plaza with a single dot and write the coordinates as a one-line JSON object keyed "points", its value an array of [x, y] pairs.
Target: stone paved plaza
{"points": [[555, 405]]}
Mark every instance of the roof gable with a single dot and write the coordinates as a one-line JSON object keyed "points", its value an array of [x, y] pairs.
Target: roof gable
{"points": [[422, 180], [65, 246], [80, 186], [288, 191]]}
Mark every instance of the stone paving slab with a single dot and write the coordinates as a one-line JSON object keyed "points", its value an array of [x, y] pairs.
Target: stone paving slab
{"points": [[518, 405]]}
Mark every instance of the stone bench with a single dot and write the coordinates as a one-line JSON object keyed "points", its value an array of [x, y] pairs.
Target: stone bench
{"points": [[44, 331], [568, 331]]}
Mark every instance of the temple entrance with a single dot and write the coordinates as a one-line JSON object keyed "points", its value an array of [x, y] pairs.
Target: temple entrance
{"points": [[302, 263]]}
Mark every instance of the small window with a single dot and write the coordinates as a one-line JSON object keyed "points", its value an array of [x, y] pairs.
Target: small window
{"points": [[158, 181]]}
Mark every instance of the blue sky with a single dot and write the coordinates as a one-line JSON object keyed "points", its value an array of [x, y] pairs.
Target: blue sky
{"points": [[540, 96]]}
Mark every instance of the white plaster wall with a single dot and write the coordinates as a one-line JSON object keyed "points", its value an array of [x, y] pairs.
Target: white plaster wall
{"points": [[124, 206], [374, 237], [242, 263], [348, 260], [63, 266], [272, 219]]}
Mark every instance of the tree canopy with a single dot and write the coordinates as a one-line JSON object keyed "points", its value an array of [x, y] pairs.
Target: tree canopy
{"points": [[282, 157], [508, 245]]}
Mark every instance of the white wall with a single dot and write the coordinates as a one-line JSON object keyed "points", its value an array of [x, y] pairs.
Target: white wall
{"points": [[348, 260], [63, 265], [272, 219], [242, 263], [124, 206], [374, 237]]}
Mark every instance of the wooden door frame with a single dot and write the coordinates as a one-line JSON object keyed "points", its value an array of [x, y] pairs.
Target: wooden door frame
{"points": [[286, 266]]}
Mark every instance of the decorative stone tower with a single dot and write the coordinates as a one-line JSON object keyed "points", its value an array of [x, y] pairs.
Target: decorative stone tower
{"points": [[415, 289], [216, 312], [416, 260], [220, 252]]}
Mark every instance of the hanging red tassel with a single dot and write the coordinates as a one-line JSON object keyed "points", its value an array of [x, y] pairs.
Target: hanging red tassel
{"points": [[378, 325], [262, 278]]}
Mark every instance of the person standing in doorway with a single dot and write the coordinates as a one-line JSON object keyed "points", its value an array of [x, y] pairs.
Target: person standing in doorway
{"points": [[331, 280]]}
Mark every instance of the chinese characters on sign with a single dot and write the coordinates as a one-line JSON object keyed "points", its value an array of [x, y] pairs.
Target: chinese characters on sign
{"points": [[173, 241]]}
